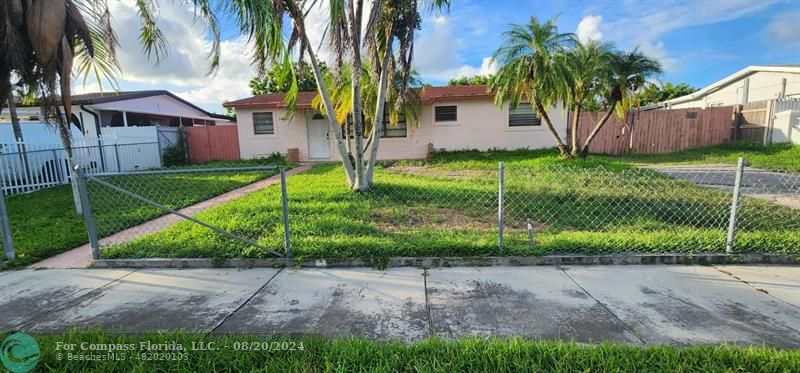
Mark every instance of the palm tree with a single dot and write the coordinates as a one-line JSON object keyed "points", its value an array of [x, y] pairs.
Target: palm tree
{"points": [[400, 101], [629, 72], [585, 70], [42, 40], [44, 36], [531, 69]]}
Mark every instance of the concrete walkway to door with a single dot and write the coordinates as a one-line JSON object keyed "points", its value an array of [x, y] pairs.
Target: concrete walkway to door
{"points": [[81, 257], [639, 305]]}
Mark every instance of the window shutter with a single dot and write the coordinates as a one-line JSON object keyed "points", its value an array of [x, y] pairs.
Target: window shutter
{"points": [[263, 123], [445, 113], [523, 116]]}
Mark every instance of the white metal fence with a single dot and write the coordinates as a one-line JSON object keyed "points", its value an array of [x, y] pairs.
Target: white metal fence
{"points": [[26, 167]]}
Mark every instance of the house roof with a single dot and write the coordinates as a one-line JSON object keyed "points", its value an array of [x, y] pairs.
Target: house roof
{"points": [[428, 95], [106, 97], [788, 68]]}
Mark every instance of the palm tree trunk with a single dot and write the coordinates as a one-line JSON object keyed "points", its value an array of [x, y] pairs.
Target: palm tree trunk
{"points": [[297, 17], [331, 116], [549, 125], [576, 110], [23, 154], [380, 106], [597, 127], [355, 85], [12, 109]]}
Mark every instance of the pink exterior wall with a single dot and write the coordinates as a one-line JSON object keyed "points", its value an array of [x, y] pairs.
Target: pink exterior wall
{"points": [[480, 125]]}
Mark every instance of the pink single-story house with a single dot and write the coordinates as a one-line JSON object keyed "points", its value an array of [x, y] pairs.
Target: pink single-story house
{"points": [[451, 118]]}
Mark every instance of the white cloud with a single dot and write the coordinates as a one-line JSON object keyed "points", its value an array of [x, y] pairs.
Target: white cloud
{"points": [[436, 48], [663, 17], [436, 53], [487, 67], [186, 65], [589, 28], [657, 51], [784, 28], [646, 29]]}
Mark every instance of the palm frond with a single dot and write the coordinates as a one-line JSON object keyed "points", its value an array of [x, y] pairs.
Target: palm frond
{"points": [[151, 37]]}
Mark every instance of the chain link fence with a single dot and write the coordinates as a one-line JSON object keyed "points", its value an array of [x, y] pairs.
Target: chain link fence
{"points": [[420, 209], [129, 208]]}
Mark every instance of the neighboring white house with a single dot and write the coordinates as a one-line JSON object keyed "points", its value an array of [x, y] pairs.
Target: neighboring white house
{"points": [[451, 118], [110, 132], [110, 113], [753, 83]]}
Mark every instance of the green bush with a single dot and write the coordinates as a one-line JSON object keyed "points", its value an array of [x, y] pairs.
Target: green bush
{"points": [[175, 155]]}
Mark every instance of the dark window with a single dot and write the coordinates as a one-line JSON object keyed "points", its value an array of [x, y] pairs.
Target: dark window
{"points": [[263, 123], [445, 113], [691, 114], [117, 120], [318, 116], [523, 116], [202, 122], [398, 130]]}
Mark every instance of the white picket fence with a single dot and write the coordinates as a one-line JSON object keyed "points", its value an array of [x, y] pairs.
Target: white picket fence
{"points": [[26, 167]]}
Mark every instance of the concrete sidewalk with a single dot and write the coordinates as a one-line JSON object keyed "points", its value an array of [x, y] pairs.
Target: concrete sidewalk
{"points": [[81, 256], [678, 305]]}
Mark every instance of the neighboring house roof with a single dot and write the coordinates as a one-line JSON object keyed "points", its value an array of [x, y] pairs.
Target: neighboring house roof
{"points": [[789, 68], [428, 95], [106, 97]]}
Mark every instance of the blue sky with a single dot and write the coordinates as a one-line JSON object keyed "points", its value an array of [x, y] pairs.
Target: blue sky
{"points": [[698, 42]]}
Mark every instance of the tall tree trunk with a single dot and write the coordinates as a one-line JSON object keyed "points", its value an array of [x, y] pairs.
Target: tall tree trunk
{"points": [[297, 16], [380, 106], [549, 125], [597, 127], [574, 147], [355, 85], [12, 109], [21, 149]]}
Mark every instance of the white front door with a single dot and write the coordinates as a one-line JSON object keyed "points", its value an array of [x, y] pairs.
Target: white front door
{"points": [[318, 144]]}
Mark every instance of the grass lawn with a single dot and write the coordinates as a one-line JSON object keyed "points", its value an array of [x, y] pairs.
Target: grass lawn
{"points": [[358, 354], [776, 157], [44, 223], [447, 207]]}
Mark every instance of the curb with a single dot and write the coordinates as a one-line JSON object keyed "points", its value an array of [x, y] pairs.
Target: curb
{"points": [[434, 262]]}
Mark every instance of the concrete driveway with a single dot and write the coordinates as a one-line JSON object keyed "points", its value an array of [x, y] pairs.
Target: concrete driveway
{"points": [[679, 305], [779, 187]]}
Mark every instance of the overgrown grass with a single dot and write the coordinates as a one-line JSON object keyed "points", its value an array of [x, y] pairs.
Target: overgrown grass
{"points": [[44, 223], [434, 355], [436, 209], [776, 157]]}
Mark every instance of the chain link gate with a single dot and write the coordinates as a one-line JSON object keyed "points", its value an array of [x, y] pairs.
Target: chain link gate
{"points": [[156, 209]]}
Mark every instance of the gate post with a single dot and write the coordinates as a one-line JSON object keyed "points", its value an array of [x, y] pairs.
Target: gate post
{"points": [[735, 204], [8, 242], [91, 229], [285, 202], [501, 205], [116, 155]]}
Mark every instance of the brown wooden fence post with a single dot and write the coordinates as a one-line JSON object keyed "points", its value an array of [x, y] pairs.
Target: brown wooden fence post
{"points": [[737, 122]]}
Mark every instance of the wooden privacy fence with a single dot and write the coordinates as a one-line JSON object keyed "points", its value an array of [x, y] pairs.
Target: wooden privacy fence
{"points": [[659, 131], [212, 143]]}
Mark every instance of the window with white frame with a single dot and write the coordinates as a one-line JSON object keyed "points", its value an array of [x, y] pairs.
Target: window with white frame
{"points": [[263, 123], [448, 113], [523, 116]]}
